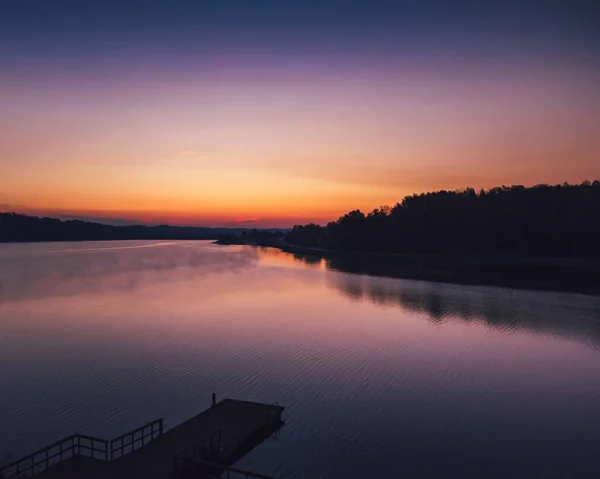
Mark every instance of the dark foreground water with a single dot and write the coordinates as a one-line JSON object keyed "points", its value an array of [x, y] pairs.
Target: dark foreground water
{"points": [[380, 377]]}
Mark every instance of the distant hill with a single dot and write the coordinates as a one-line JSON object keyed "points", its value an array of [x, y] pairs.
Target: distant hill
{"points": [[20, 228]]}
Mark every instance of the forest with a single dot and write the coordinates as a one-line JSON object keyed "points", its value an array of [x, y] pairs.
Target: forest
{"points": [[20, 228], [539, 221]]}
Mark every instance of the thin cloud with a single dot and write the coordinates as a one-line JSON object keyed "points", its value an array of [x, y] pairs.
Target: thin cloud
{"points": [[11, 207]]}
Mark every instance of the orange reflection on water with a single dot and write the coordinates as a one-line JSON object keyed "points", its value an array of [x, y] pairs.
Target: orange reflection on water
{"points": [[275, 257]]}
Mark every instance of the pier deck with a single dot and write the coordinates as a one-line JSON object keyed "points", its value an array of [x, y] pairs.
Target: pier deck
{"points": [[240, 423], [221, 434]]}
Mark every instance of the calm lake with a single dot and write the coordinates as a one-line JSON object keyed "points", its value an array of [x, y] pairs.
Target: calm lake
{"points": [[380, 377]]}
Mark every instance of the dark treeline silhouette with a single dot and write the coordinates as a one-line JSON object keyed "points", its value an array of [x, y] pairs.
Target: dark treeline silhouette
{"points": [[16, 228], [540, 221], [253, 237]]}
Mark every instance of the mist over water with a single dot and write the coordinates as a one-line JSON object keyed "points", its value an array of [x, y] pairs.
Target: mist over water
{"points": [[378, 375]]}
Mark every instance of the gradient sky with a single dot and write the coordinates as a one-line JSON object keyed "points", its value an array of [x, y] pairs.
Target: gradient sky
{"points": [[272, 113]]}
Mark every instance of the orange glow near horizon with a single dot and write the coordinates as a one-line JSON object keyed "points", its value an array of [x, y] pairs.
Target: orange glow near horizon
{"points": [[307, 144]]}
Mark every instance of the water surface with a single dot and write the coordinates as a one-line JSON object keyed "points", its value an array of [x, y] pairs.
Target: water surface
{"points": [[378, 375]]}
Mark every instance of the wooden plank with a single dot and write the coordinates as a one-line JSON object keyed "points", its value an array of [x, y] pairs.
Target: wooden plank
{"points": [[78, 467], [242, 425], [239, 422]]}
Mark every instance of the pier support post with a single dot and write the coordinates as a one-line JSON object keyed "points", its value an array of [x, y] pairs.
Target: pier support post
{"points": [[214, 399]]}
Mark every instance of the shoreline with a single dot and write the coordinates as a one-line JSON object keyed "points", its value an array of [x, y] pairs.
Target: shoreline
{"points": [[569, 275]]}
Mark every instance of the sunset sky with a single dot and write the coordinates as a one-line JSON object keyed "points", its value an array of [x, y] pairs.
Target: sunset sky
{"points": [[273, 113]]}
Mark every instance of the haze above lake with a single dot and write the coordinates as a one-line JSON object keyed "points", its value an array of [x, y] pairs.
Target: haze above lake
{"points": [[378, 375]]}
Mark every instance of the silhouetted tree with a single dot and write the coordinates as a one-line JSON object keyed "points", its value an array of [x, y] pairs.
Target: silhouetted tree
{"points": [[16, 227], [544, 220]]}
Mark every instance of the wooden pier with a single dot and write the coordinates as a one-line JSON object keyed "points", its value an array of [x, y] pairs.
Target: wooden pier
{"points": [[204, 446]]}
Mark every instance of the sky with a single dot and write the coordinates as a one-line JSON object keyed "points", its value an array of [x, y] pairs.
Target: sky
{"points": [[272, 113]]}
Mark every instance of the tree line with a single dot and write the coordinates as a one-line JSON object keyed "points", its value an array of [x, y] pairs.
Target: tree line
{"points": [[19, 228], [539, 221]]}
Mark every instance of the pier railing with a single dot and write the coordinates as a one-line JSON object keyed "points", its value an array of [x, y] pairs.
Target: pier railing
{"points": [[81, 445], [135, 439], [210, 470], [207, 448], [192, 456], [77, 444], [195, 460]]}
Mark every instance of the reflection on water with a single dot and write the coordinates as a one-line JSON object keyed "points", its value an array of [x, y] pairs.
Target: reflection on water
{"points": [[502, 308], [379, 375], [67, 269], [505, 309]]}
